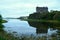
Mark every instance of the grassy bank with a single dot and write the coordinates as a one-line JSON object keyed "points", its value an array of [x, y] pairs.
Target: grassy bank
{"points": [[4, 21], [41, 20]]}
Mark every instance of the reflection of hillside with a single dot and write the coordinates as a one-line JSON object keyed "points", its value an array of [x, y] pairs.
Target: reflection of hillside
{"points": [[40, 27], [38, 24], [41, 30]]}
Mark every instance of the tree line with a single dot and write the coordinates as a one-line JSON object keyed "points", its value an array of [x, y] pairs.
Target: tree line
{"points": [[52, 15]]}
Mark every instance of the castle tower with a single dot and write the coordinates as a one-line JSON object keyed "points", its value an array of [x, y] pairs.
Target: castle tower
{"points": [[41, 9]]}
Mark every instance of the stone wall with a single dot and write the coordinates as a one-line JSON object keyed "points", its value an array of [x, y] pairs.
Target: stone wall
{"points": [[41, 9]]}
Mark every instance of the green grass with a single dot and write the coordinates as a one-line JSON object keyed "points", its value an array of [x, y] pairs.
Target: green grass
{"points": [[1, 38], [4, 21], [41, 20]]}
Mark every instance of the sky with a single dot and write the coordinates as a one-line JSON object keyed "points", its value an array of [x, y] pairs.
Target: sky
{"points": [[17, 8]]}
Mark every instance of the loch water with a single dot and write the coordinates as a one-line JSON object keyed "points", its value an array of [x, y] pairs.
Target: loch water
{"points": [[18, 27]]}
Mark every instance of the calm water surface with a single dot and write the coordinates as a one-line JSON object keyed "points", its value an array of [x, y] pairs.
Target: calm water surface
{"points": [[18, 27]]}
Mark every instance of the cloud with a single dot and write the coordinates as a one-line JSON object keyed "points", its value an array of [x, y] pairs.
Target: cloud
{"points": [[22, 7], [27, 3]]}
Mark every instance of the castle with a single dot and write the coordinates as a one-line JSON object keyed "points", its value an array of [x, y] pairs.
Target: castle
{"points": [[41, 9]]}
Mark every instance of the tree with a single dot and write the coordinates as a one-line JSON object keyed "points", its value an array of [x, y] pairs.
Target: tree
{"points": [[0, 19], [52, 15]]}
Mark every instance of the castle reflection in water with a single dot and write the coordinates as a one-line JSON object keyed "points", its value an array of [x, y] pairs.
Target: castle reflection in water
{"points": [[45, 27]]}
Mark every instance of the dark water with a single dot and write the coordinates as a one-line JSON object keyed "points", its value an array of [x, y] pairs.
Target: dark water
{"points": [[19, 27]]}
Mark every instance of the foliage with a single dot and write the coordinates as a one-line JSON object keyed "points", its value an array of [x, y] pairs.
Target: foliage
{"points": [[0, 19], [52, 15]]}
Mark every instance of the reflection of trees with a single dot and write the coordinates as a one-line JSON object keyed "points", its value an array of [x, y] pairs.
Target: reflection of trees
{"points": [[41, 30], [40, 27]]}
